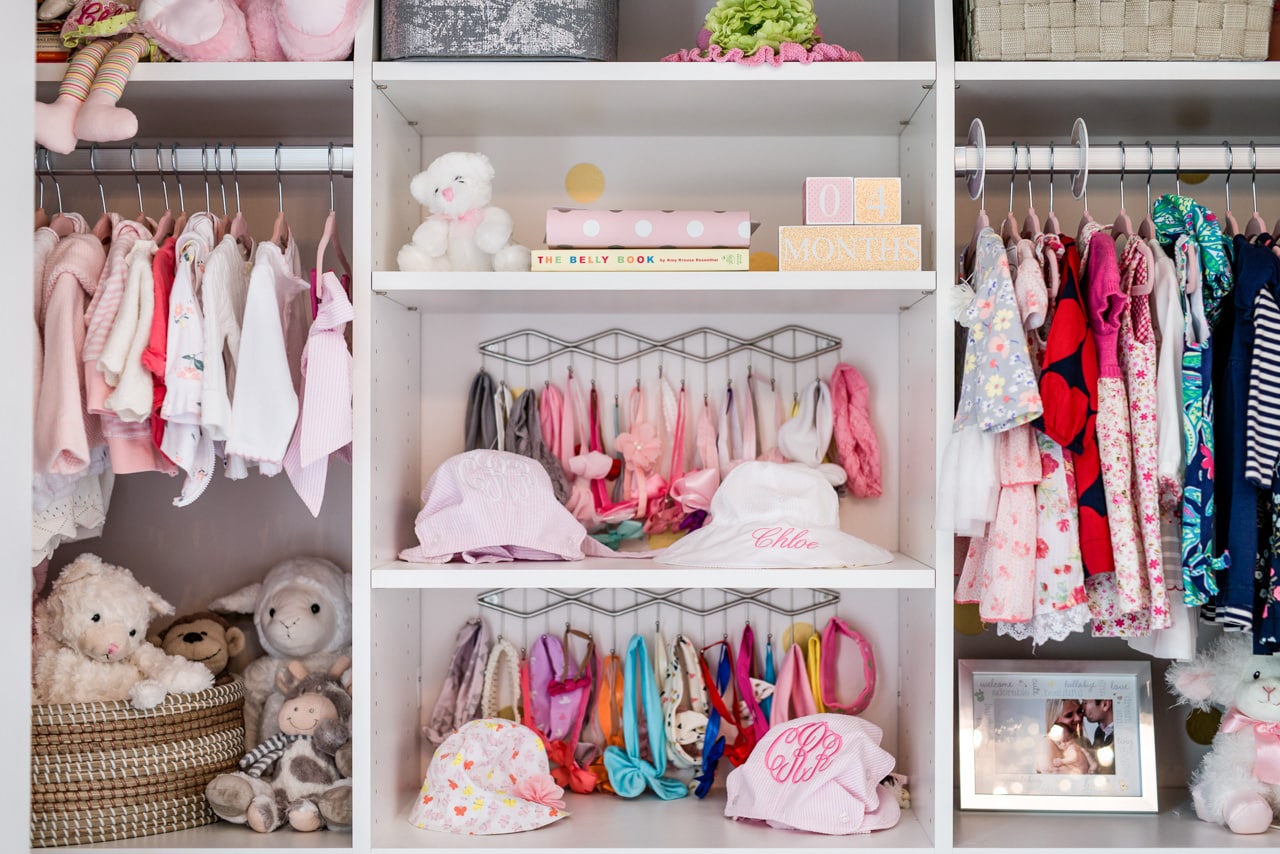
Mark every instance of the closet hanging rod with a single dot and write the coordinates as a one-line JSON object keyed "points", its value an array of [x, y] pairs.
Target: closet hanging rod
{"points": [[197, 159], [999, 157]]}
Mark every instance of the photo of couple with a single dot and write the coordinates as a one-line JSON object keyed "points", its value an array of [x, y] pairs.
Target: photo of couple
{"points": [[1078, 737]]}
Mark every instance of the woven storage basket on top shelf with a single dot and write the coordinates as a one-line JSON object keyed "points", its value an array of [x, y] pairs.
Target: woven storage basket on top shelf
{"points": [[107, 771], [1118, 29], [500, 29]]}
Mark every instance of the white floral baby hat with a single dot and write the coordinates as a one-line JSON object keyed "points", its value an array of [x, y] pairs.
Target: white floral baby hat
{"points": [[490, 776]]}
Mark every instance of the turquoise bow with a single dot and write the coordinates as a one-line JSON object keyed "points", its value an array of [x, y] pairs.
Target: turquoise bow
{"points": [[628, 773], [626, 530], [1175, 216]]}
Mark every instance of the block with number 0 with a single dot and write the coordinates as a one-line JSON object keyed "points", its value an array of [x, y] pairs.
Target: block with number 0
{"points": [[828, 201], [877, 201]]}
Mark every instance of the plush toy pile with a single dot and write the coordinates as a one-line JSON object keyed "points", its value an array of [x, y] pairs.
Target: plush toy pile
{"points": [[1238, 783], [464, 231], [91, 641]]}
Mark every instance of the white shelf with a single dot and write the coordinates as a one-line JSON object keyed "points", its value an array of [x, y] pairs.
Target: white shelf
{"points": [[900, 574], [222, 836], [601, 821], [1017, 100], [1175, 827], [737, 292], [232, 100], [655, 98]]}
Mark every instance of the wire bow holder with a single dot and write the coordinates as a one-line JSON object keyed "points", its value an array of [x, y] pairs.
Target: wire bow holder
{"points": [[697, 602]]}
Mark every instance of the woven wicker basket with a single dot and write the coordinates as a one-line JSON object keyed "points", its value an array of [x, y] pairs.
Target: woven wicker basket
{"points": [[500, 29], [107, 771], [1118, 29]]}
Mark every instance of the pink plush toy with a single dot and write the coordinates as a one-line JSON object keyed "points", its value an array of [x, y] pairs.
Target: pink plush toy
{"points": [[242, 30]]}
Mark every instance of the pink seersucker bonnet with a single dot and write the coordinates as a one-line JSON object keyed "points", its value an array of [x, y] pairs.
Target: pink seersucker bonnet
{"points": [[819, 773]]}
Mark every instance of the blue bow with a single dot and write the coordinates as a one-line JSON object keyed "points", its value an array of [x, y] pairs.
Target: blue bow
{"points": [[713, 747], [770, 676], [628, 773], [629, 529]]}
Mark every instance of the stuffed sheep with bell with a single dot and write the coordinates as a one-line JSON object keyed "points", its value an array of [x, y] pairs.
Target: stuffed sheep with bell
{"points": [[1238, 783], [91, 641], [463, 231], [302, 611]]}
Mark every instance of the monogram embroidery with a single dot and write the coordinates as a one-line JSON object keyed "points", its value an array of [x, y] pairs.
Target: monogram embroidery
{"points": [[801, 752], [498, 477]]}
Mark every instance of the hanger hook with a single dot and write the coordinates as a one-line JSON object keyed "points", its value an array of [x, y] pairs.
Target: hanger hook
{"points": [[1226, 144], [1013, 174], [236, 177], [57, 187], [1123, 162], [1030, 200], [1050, 176], [177, 176], [204, 170], [279, 180], [133, 167], [35, 162], [331, 177], [93, 167], [164, 182], [1177, 166], [1151, 165], [217, 167], [1253, 174]]}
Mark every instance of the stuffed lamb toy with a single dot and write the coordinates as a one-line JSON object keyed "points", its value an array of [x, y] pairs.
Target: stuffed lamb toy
{"points": [[302, 611], [1238, 783], [91, 641], [463, 232]]}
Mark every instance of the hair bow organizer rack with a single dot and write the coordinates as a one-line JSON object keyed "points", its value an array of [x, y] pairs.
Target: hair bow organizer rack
{"points": [[791, 345], [704, 613]]}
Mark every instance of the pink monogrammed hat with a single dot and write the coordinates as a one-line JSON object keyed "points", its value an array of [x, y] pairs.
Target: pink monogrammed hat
{"points": [[819, 773], [491, 776], [488, 506], [773, 515]]}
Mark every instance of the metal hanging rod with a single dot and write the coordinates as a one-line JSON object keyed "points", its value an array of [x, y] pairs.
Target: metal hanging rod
{"points": [[678, 345], [493, 600], [1108, 158], [167, 158]]}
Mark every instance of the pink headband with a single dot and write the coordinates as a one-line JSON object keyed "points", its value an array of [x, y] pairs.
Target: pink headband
{"points": [[836, 626]]}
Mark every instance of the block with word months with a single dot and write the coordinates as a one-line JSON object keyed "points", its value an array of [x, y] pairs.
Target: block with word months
{"points": [[849, 247], [877, 201], [828, 201]]}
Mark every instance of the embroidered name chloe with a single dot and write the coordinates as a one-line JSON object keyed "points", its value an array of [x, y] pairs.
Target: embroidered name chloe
{"points": [[801, 752], [782, 538]]}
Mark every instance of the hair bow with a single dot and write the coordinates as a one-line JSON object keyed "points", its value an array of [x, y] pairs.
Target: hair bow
{"points": [[629, 774]]}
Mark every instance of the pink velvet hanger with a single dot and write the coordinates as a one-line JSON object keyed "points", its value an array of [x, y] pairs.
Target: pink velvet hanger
{"points": [[1030, 225], [330, 234], [1051, 224], [1147, 228], [1123, 226], [1009, 230], [1229, 225], [280, 229]]}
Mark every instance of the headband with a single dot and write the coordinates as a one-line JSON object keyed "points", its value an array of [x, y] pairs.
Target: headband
{"points": [[608, 710], [770, 676], [489, 703], [855, 436], [792, 687], [562, 753], [806, 436], [667, 514], [813, 666], [714, 742], [745, 742], [629, 773], [502, 412], [480, 428], [836, 626], [746, 692], [524, 437], [550, 417], [459, 699], [684, 726]]}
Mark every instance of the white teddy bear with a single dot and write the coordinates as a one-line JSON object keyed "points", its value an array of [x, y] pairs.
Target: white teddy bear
{"points": [[91, 641], [1238, 783], [463, 232]]}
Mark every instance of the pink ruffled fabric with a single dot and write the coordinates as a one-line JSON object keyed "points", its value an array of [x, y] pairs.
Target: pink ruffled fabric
{"points": [[788, 52], [855, 436]]}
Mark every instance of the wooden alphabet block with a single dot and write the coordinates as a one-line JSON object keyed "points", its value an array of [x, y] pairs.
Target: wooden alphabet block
{"points": [[849, 247], [877, 201], [828, 201]]}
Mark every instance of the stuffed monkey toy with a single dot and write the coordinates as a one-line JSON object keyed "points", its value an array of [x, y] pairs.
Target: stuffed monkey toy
{"points": [[204, 637]]}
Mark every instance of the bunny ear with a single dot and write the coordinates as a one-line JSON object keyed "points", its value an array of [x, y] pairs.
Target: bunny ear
{"points": [[85, 566], [486, 165]]}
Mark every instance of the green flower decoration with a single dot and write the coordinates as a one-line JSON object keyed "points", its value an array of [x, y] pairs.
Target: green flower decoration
{"points": [[752, 24]]}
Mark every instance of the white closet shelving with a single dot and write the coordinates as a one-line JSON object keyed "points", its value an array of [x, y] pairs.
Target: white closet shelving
{"points": [[664, 135]]}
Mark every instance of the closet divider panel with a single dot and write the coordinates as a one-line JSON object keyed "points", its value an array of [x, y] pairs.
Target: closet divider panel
{"points": [[397, 155], [397, 748], [918, 168], [918, 735], [398, 420]]}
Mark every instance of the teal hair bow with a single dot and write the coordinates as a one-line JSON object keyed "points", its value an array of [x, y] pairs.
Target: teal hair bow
{"points": [[628, 773], [629, 529]]}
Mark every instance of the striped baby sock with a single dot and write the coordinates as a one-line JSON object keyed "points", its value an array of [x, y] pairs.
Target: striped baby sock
{"points": [[55, 123], [100, 119]]}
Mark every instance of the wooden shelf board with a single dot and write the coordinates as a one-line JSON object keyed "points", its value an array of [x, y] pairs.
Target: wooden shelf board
{"points": [[901, 574], [739, 292], [451, 99], [604, 822]]}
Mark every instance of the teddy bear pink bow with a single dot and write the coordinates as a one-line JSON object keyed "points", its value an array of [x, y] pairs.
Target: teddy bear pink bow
{"points": [[1266, 767]]}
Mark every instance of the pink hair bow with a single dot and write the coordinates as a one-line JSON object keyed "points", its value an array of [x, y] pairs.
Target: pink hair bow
{"points": [[540, 789]]}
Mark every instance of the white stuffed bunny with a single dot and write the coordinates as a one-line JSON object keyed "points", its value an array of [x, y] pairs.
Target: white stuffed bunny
{"points": [[1238, 783], [463, 232]]}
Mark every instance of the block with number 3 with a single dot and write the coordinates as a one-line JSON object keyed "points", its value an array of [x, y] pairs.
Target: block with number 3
{"points": [[877, 201], [828, 201]]}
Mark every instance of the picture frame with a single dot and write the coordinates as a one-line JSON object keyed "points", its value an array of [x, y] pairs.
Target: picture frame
{"points": [[1056, 736]]}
